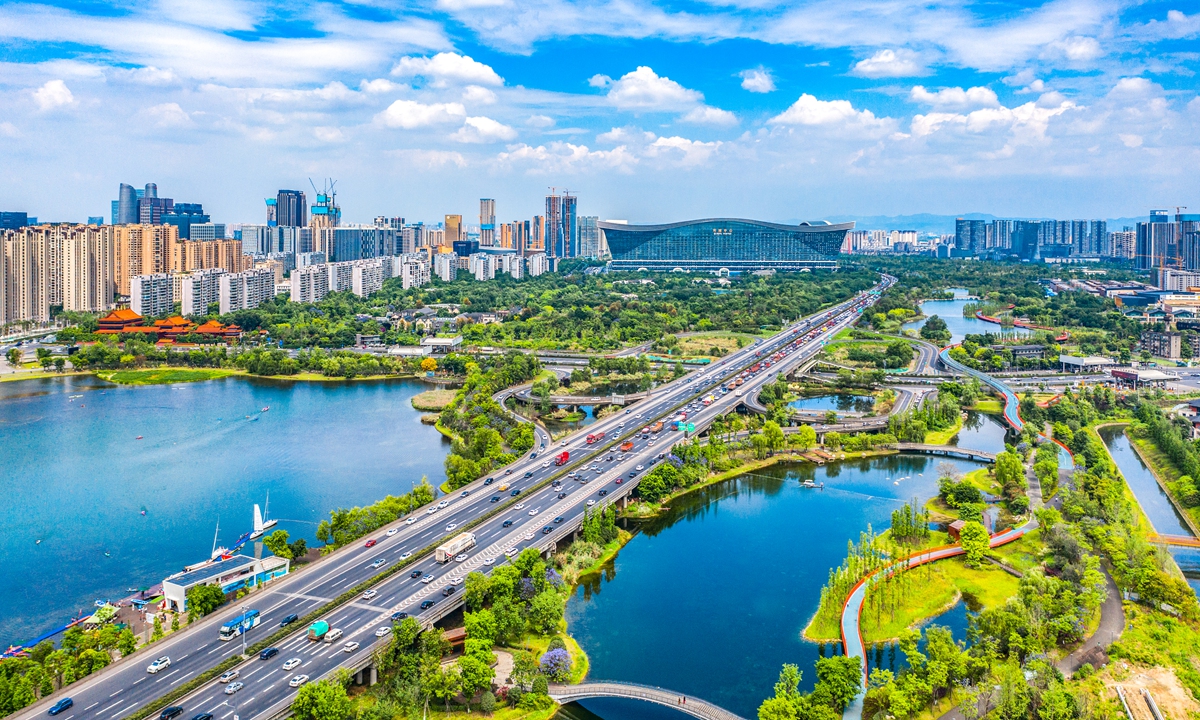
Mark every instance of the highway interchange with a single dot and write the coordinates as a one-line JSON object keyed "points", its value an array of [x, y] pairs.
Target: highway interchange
{"points": [[126, 687]]}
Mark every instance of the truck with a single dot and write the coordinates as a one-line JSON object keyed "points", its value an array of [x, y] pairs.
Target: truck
{"points": [[627, 446], [562, 458], [447, 551], [656, 427], [317, 630], [595, 437]]}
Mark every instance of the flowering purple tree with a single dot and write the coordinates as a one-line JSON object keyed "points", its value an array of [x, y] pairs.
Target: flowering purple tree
{"points": [[527, 589], [553, 577], [556, 664]]}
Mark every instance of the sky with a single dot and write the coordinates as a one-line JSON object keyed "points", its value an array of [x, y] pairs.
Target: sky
{"points": [[648, 110]]}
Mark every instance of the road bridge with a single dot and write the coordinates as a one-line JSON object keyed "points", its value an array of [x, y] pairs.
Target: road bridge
{"points": [[690, 704], [526, 395]]}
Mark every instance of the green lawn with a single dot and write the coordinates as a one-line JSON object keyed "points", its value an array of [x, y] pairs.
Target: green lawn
{"points": [[162, 376], [942, 437], [989, 406]]}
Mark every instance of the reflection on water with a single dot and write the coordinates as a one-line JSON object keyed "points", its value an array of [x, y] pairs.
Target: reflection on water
{"points": [[952, 312], [981, 431]]}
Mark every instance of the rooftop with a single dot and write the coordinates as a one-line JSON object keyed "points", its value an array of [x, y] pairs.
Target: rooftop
{"points": [[208, 572]]}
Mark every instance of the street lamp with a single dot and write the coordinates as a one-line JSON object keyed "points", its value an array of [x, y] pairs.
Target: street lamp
{"points": [[244, 631]]}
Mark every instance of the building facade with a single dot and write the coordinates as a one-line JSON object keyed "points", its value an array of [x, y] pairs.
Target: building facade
{"points": [[199, 290], [151, 295], [88, 268], [245, 290], [487, 222]]}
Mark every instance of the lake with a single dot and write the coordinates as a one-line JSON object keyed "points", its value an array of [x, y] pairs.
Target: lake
{"points": [[952, 312], [78, 478]]}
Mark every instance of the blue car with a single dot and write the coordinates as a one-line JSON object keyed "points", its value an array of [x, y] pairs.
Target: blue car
{"points": [[61, 705]]}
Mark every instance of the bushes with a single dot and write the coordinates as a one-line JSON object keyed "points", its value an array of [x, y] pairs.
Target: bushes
{"points": [[345, 526]]}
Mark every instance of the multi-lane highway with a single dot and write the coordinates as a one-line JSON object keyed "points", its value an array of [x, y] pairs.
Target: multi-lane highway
{"points": [[531, 512]]}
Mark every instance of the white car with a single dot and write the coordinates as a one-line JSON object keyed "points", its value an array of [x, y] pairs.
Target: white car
{"points": [[563, 443], [534, 511], [230, 676], [162, 663], [640, 468], [489, 561], [456, 581], [370, 594], [378, 563], [460, 557], [406, 555], [591, 503], [451, 526], [384, 631], [392, 532], [350, 647], [529, 535], [231, 688], [510, 552], [410, 521], [519, 506], [431, 510], [546, 464], [427, 579], [292, 664], [297, 681], [443, 504]]}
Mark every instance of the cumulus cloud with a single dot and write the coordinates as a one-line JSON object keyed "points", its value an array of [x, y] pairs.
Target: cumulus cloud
{"points": [[955, 97], [645, 89], [479, 95], [483, 130], [599, 81], [686, 152], [625, 135], [889, 64], [53, 94], [562, 157], [757, 80], [446, 68], [540, 121], [1026, 122], [708, 115], [410, 114], [1075, 49], [808, 110], [379, 85], [168, 115], [429, 159], [328, 134], [1130, 140]]}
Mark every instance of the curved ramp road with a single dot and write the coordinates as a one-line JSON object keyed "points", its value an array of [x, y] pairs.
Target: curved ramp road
{"points": [[538, 516]]}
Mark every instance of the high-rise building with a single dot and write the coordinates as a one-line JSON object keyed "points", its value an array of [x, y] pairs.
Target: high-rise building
{"points": [[257, 239], [142, 250], [13, 220], [26, 276], [1157, 243], [367, 276], [325, 212], [127, 205], [272, 212], [200, 289], [88, 267], [539, 264], [487, 222], [482, 266], [362, 242], [245, 290], [183, 216], [570, 226], [970, 237], [151, 207], [291, 208], [151, 295], [1122, 244], [309, 284], [589, 237], [206, 231], [445, 266], [454, 229]]}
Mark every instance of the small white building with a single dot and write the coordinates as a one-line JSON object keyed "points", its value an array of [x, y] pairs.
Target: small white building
{"points": [[442, 346], [230, 574]]}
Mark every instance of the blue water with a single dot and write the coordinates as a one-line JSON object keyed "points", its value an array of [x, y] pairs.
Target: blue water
{"points": [[855, 403], [981, 431], [1153, 501], [711, 598], [76, 478], [952, 312]]}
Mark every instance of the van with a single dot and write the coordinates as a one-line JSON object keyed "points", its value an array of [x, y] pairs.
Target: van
{"points": [[333, 635]]}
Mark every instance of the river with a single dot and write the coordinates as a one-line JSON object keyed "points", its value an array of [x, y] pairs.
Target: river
{"points": [[711, 598], [1153, 500], [952, 312], [77, 478]]}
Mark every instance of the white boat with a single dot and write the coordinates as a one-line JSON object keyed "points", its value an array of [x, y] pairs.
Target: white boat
{"points": [[258, 524], [268, 522]]}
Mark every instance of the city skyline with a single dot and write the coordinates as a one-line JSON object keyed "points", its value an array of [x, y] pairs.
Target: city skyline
{"points": [[1061, 109]]}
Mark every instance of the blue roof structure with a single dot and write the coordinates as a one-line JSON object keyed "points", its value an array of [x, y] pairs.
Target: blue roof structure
{"points": [[208, 572]]}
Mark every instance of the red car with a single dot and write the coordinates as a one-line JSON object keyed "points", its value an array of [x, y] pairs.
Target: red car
{"points": [[620, 480], [371, 542]]}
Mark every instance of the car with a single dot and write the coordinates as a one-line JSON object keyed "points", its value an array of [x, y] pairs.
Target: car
{"points": [[489, 481], [406, 555], [563, 443], [620, 480], [297, 681], [448, 590], [547, 530], [371, 543], [410, 521], [415, 574], [427, 579], [383, 631], [370, 594], [427, 604], [561, 495], [506, 523], [455, 580], [533, 455], [602, 493], [378, 563], [162, 663], [399, 615], [528, 473], [230, 676], [443, 504], [268, 653], [534, 511], [529, 535], [489, 561], [431, 510], [633, 473], [591, 503], [519, 506], [628, 411], [495, 498], [350, 647], [61, 705], [640, 468], [289, 620], [451, 526], [233, 687], [464, 493], [511, 551], [170, 712], [558, 519], [508, 471], [202, 716], [515, 492], [460, 557], [545, 463], [292, 664], [392, 531]]}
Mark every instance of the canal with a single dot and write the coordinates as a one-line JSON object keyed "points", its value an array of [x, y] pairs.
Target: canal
{"points": [[711, 597], [77, 479]]}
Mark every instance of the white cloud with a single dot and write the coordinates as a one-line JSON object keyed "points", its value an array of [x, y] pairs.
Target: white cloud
{"points": [[757, 80], [168, 115], [625, 135], [1075, 49], [214, 14], [645, 89], [688, 152], [429, 159], [955, 97], [378, 85], [328, 134], [409, 114], [890, 64], [1177, 26], [479, 95], [563, 157], [7, 129], [447, 67], [483, 130], [1130, 140], [599, 81], [808, 110], [1027, 123], [708, 115], [144, 75], [540, 121], [457, 5], [53, 94]]}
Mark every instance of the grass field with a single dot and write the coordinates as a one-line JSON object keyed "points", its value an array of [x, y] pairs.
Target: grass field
{"points": [[942, 437], [989, 406], [162, 376], [433, 400], [701, 344]]}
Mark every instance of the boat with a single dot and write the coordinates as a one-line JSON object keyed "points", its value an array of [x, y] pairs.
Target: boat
{"points": [[139, 437], [258, 530], [268, 521], [266, 408], [107, 554]]}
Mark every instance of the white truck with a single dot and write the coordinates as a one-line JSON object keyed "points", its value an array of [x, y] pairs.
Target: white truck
{"points": [[460, 543]]}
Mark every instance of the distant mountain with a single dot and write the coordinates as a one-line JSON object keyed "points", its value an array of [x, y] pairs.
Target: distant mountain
{"points": [[944, 224]]}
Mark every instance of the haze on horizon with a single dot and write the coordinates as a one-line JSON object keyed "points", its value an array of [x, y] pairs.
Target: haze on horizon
{"points": [[649, 111]]}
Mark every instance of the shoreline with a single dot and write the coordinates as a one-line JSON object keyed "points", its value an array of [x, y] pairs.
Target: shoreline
{"points": [[203, 375]]}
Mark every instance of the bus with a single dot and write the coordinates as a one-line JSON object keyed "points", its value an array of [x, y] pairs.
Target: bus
{"points": [[239, 625]]}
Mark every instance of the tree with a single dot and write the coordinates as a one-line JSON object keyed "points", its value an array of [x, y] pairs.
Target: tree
{"points": [[429, 365], [14, 357], [842, 678], [277, 543], [1009, 473], [831, 417], [807, 437], [203, 599], [480, 625], [974, 540], [60, 363], [773, 435], [157, 633], [545, 612], [324, 700], [487, 703], [126, 642], [443, 684], [475, 675]]}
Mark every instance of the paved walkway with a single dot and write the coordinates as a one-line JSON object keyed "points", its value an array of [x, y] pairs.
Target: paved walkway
{"points": [[689, 704]]}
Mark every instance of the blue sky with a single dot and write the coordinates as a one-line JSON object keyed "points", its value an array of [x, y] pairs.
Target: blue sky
{"points": [[650, 111]]}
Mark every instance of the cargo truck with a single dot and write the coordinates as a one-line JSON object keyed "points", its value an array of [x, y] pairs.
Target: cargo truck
{"points": [[595, 437], [317, 630], [562, 458], [656, 427], [627, 446], [460, 543]]}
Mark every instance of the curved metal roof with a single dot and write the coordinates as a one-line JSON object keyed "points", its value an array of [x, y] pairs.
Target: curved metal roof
{"points": [[818, 226]]}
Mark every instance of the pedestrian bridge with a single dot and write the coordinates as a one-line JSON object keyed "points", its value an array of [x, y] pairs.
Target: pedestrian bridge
{"points": [[947, 450], [1177, 540], [689, 704]]}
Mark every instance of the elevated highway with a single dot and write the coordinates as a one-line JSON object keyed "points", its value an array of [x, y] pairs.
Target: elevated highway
{"points": [[537, 515]]}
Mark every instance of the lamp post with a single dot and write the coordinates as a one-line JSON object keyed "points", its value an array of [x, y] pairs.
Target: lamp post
{"points": [[245, 630]]}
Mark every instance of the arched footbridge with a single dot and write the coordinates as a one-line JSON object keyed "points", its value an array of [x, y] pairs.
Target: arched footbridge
{"points": [[689, 704]]}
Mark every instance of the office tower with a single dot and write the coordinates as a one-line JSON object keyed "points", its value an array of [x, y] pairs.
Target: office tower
{"points": [[127, 205], [245, 290], [454, 229], [552, 230], [88, 267], [1001, 234], [184, 216], [487, 222], [95, 220], [272, 212], [27, 277], [326, 215], [291, 209], [362, 242], [206, 231], [570, 227], [537, 234], [1156, 244], [13, 220], [151, 295], [589, 237], [256, 239], [142, 250], [1097, 236], [970, 237], [151, 207], [1188, 233]]}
